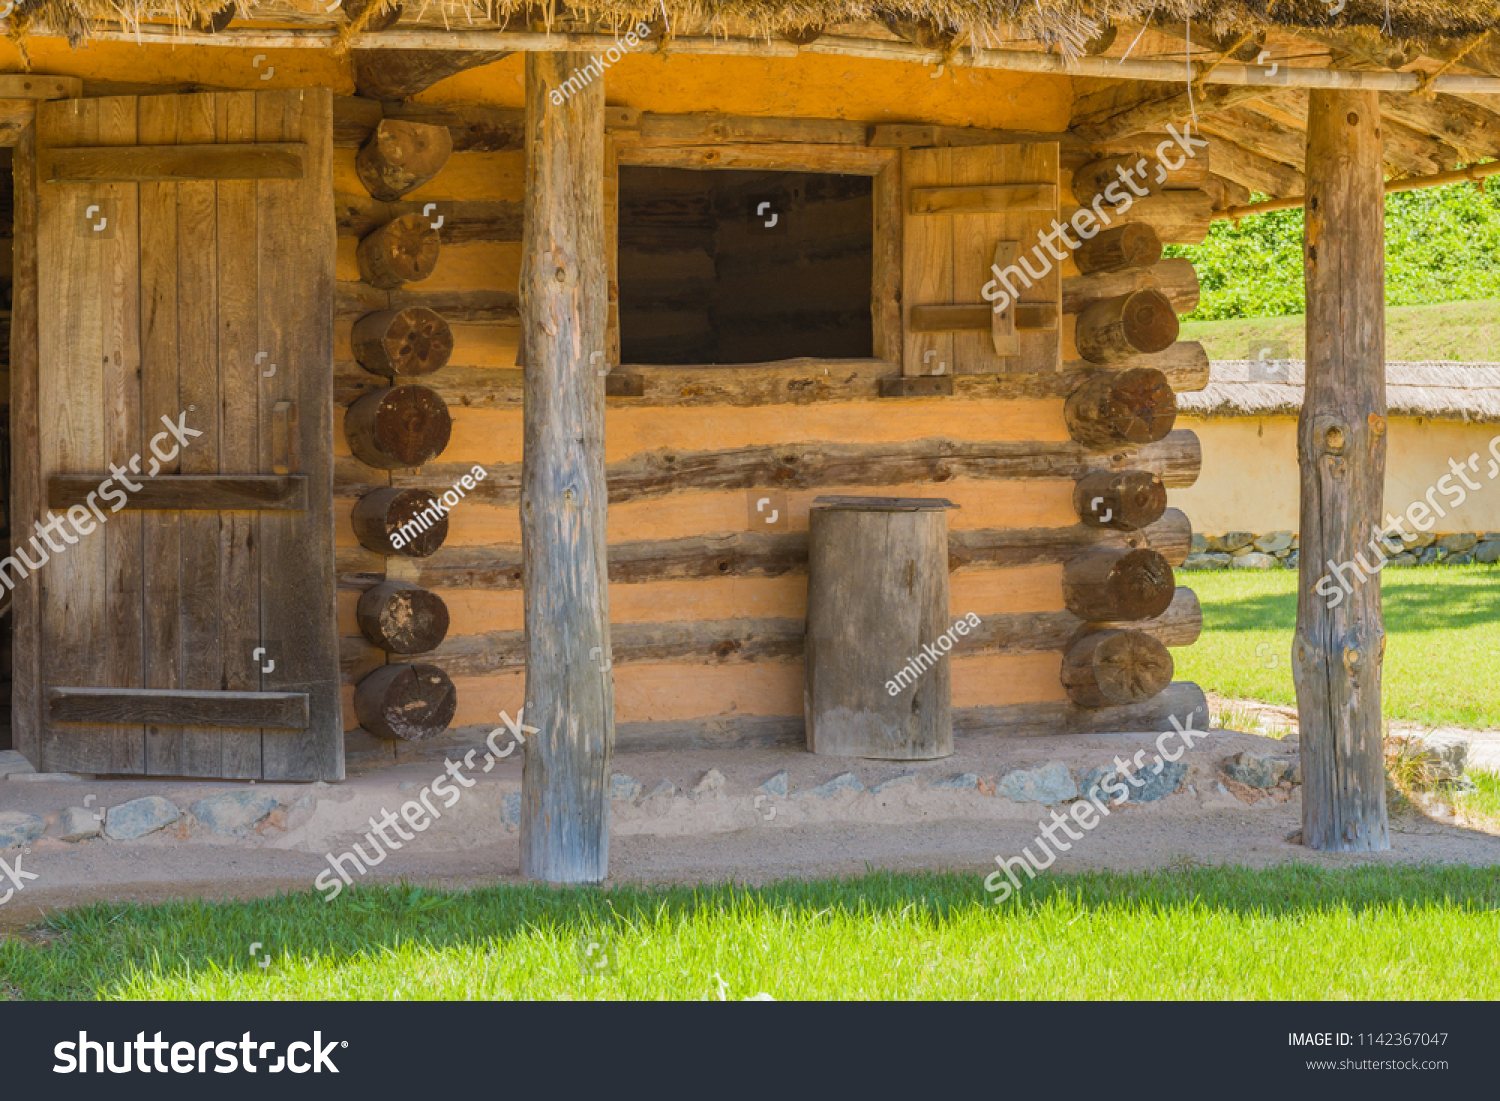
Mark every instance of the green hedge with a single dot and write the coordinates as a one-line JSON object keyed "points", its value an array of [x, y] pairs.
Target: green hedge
{"points": [[1442, 245]]}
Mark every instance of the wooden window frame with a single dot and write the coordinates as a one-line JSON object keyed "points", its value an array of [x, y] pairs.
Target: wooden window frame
{"points": [[882, 165]]}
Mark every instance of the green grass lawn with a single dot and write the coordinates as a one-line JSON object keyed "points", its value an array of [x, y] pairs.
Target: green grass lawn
{"points": [[1363, 933], [1467, 332], [1442, 654]]}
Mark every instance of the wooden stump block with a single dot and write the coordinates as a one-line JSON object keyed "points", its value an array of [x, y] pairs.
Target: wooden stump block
{"points": [[404, 522], [402, 618], [401, 156], [408, 703], [404, 250], [1103, 584], [1127, 408], [1113, 330], [1132, 245], [413, 341], [1108, 668], [1125, 501], [398, 427], [877, 595]]}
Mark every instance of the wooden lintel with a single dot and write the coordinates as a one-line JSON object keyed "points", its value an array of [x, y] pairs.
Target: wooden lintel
{"points": [[140, 163], [917, 386], [1030, 318], [995, 199], [621, 118], [34, 86], [173, 707], [779, 157], [905, 136], [624, 386], [185, 492]]}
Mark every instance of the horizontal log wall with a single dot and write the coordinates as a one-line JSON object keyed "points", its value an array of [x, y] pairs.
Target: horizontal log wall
{"points": [[706, 598]]}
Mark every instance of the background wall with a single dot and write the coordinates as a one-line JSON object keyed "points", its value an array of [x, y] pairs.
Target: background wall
{"points": [[1250, 481]]}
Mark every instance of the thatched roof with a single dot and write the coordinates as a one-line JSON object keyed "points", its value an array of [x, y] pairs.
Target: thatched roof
{"points": [[1468, 392], [1062, 23], [1256, 127]]}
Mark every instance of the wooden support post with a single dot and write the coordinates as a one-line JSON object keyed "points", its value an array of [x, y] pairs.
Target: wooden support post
{"points": [[26, 490], [1340, 641], [564, 311]]}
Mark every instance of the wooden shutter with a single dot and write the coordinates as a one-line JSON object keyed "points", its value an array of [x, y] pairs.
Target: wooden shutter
{"points": [[194, 632], [957, 205]]}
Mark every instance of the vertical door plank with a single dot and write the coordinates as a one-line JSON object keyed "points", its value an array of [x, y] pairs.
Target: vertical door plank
{"points": [[296, 248], [198, 395], [26, 472], [239, 429], [123, 658], [927, 260], [1040, 351], [71, 271], [974, 237], [885, 275], [157, 124]]}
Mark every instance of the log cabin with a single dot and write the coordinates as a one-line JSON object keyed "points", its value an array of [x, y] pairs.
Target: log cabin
{"points": [[438, 361]]}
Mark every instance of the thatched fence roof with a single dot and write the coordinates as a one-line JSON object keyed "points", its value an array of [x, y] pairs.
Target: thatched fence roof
{"points": [[1468, 392], [1066, 24]]}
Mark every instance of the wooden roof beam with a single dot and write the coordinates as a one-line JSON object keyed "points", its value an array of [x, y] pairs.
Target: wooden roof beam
{"points": [[1408, 151], [1458, 122], [1259, 132], [1155, 111], [1471, 174], [396, 74], [1258, 173]]}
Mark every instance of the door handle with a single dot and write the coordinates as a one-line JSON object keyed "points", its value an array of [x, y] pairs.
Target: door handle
{"points": [[283, 435]]}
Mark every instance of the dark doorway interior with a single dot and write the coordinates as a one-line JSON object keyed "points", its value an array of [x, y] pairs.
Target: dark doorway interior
{"points": [[727, 266]]}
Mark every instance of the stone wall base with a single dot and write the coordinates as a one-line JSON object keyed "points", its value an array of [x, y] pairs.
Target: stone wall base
{"points": [[1245, 550]]}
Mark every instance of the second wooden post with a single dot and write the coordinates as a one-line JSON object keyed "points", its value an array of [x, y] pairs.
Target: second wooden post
{"points": [[1340, 642], [564, 303]]}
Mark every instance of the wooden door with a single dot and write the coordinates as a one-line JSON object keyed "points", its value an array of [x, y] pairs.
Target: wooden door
{"points": [[963, 210], [185, 272]]}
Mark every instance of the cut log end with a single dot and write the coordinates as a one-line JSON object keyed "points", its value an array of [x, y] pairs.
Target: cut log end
{"points": [[402, 618], [398, 427], [215, 21], [408, 523], [414, 341], [1133, 245], [404, 250], [401, 156], [1108, 668], [1102, 585], [1125, 501], [383, 18], [1128, 408], [408, 703], [1116, 329]]}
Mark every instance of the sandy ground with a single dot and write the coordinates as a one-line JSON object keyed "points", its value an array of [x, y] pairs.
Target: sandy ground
{"points": [[734, 832]]}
